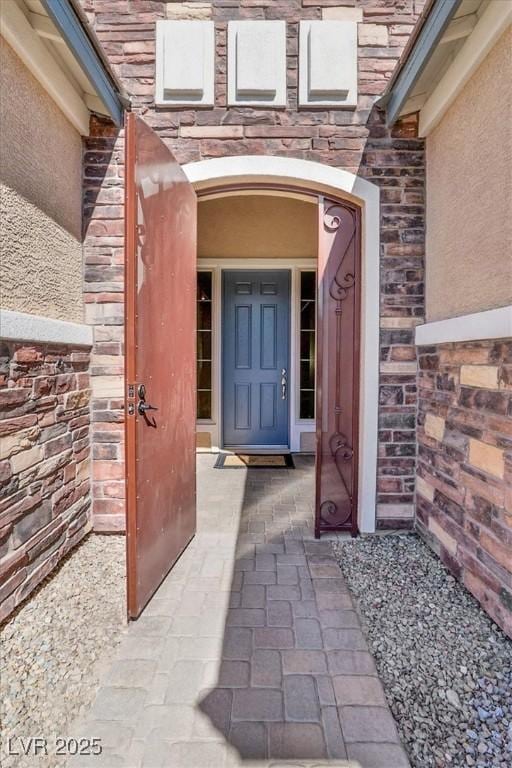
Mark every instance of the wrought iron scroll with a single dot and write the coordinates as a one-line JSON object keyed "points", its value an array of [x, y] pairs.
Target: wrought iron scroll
{"points": [[333, 515]]}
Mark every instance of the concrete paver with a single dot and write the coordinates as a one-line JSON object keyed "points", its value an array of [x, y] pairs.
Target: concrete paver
{"points": [[251, 652]]}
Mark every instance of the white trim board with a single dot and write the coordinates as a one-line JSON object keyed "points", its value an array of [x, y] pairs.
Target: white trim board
{"points": [[491, 324], [489, 28], [316, 177], [20, 326], [324, 179]]}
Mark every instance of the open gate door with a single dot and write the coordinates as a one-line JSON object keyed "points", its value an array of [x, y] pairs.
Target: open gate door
{"points": [[337, 391], [160, 332]]}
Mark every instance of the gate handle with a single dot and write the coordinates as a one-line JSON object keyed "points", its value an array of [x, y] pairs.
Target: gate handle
{"points": [[284, 384], [143, 407]]}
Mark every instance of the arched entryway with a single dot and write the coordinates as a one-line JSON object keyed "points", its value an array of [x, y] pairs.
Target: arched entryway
{"points": [[326, 187]]}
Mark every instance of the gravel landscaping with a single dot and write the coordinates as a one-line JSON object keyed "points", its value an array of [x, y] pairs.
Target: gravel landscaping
{"points": [[445, 666], [54, 648]]}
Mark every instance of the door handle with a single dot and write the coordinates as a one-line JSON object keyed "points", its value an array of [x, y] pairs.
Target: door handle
{"points": [[284, 384], [143, 407]]}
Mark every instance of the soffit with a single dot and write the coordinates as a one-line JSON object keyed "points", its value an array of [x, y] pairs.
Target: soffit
{"points": [[75, 90]]}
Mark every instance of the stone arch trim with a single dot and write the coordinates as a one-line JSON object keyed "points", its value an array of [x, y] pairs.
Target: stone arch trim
{"points": [[325, 180]]}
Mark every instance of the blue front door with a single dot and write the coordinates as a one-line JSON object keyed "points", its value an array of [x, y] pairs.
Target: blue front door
{"points": [[256, 352]]}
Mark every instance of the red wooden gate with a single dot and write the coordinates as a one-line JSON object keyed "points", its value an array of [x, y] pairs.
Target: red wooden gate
{"points": [[339, 285], [160, 332]]}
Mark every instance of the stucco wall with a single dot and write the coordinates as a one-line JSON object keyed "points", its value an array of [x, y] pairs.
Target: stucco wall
{"points": [[469, 194], [231, 227], [40, 198]]}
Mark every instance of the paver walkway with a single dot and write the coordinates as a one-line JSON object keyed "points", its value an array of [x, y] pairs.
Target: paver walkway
{"points": [[251, 649]]}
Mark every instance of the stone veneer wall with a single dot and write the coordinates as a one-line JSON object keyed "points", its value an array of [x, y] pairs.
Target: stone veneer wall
{"points": [[356, 140], [464, 474], [44, 462]]}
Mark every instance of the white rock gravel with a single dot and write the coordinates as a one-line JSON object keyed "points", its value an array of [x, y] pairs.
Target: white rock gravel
{"points": [[445, 666], [55, 647]]}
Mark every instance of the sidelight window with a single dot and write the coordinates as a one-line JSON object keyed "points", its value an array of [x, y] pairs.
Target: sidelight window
{"points": [[307, 345], [204, 345]]}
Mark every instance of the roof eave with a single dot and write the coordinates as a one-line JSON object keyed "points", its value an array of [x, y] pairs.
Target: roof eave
{"points": [[428, 32], [80, 39]]}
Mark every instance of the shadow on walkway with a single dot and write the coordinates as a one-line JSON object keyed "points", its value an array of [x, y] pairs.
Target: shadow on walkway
{"points": [[250, 652]]}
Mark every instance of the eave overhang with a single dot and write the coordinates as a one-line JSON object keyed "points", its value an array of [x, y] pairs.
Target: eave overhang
{"points": [[71, 25], [430, 28]]}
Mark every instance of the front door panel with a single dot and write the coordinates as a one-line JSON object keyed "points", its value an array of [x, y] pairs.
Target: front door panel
{"points": [[160, 357], [256, 352]]}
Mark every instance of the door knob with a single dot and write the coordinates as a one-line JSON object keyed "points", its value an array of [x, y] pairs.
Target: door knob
{"points": [[284, 384]]}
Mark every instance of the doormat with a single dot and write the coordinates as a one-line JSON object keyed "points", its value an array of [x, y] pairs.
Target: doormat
{"points": [[254, 461]]}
